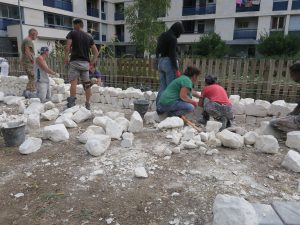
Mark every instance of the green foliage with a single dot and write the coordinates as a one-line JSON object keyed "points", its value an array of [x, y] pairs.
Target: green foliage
{"points": [[59, 51], [210, 45], [143, 24], [278, 44]]}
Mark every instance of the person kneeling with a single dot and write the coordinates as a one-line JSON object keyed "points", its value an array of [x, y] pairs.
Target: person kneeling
{"points": [[176, 100], [215, 103]]}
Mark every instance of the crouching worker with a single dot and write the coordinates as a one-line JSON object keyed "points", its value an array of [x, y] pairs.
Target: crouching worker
{"points": [[177, 100], [292, 121], [215, 103], [41, 72], [95, 75]]}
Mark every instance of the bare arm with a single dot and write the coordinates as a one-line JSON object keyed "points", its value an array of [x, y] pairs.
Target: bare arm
{"points": [[195, 94], [67, 51], [43, 65], [184, 95], [28, 53], [95, 54]]}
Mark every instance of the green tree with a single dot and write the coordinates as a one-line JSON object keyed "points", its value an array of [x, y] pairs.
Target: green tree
{"points": [[278, 44], [143, 24], [210, 45]]}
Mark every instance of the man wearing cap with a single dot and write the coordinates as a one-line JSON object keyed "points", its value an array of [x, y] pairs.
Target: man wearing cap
{"points": [[79, 44], [41, 75], [27, 60]]}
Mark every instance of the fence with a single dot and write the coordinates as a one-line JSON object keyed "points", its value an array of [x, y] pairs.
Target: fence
{"points": [[254, 78]]}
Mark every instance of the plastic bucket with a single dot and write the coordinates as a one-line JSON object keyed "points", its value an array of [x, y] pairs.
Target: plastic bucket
{"points": [[13, 133], [141, 106]]}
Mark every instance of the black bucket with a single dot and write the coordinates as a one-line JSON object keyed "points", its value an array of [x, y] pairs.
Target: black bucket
{"points": [[141, 106], [13, 133]]}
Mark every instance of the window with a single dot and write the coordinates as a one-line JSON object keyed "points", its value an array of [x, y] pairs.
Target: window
{"points": [[54, 20], [201, 27], [242, 25], [9, 11], [277, 23]]}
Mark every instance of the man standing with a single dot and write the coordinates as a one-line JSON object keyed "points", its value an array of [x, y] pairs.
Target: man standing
{"points": [[79, 44], [27, 60], [166, 50]]}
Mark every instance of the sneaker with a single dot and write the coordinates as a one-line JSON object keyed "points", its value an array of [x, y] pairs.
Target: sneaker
{"points": [[88, 106], [26, 93], [71, 101]]}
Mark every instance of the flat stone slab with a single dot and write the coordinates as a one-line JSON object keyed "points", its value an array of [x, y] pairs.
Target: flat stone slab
{"points": [[289, 212], [266, 215]]}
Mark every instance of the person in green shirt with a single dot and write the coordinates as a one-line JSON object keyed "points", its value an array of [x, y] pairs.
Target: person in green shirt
{"points": [[177, 100]]}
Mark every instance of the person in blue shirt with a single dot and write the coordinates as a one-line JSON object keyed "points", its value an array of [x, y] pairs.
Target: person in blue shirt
{"points": [[95, 75]]}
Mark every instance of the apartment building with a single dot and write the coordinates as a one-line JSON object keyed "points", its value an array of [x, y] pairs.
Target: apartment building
{"points": [[239, 22]]}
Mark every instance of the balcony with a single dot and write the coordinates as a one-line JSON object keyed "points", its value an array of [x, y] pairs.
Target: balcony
{"points": [[243, 8], [103, 16], [120, 37], [209, 9], [245, 34], [93, 12], [103, 37], [296, 4], [58, 26], [59, 4], [6, 22], [119, 16], [279, 6]]}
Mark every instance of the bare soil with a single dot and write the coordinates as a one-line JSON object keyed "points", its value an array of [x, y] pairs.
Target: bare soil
{"points": [[60, 184]]}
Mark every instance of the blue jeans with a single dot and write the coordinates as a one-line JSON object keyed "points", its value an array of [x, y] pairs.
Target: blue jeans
{"points": [[177, 108], [167, 74]]}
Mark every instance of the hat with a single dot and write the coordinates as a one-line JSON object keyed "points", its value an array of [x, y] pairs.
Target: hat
{"points": [[43, 50]]}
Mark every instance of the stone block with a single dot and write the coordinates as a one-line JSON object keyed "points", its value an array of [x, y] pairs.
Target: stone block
{"points": [[266, 215], [259, 108], [230, 139], [293, 140], [292, 161], [267, 144], [251, 120], [279, 108], [289, 212]]}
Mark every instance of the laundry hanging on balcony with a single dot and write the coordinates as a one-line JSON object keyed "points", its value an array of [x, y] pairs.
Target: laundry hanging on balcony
{"points": [[255, 2]]}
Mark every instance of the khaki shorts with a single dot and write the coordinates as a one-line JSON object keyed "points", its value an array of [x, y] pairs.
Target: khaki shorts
{"points": [[79, 69]]}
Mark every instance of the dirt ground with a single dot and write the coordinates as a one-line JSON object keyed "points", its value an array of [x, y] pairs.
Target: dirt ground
{"points": [[63, 184]]}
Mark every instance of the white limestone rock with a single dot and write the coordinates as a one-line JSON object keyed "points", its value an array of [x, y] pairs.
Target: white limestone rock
{"points": [[30, 145], [189, 144], [250, 138], [96, 129], [85, 136], [140, 172], [1, 96], [57, 98], [212, 152], [123, 123], [49, 105], [176, 150], [230, 139], [81, 115], [136, 123], [214, 142], [238, 108], [176, 137], [247, 101], [114, 115], [56, 133], [170, 123], [127, 141], [293, 140], [151, 117], [231, 210], [33, 122], [35, 108], [97, 113], [12, 100], [267, 144], [188, 133], [266, 129], [66, 120], [204, 136], [292, 161], [21, 106], [72, 110], [113, 129], [234, 98], [32, 100], [258, 108], [213, 126], [96, 145], [101, 121], [279, 108], [51, 114]]}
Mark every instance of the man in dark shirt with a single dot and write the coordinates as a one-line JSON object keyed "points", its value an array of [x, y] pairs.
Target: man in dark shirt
{"points": [[292, 121], [79, 43], [166, 52]]}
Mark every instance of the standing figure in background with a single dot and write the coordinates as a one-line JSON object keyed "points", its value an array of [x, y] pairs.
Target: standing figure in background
{"points": [[95, 75], [27, 49], [79, 44], [166, 52]]}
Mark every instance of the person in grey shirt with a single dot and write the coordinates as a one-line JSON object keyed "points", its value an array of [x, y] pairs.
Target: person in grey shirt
{"points": [[41, 72]]}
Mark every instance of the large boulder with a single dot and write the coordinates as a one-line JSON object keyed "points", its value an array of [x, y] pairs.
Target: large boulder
{"points": [[56, 133], [267, 144], [250, 138], [33, 122], [234, 98], [51, 114], [30, 145], [113, 129], [230, 139], [292, 161], [258, 108], [82, 115], [238, 108], [279, 108], [123, 123], [231, 210], [97, 144], [35, 108], [151, 117], [49, 105], [293, 140], [213, 126], [136, 123], [101, 121], [66, 120], [171, 122]]}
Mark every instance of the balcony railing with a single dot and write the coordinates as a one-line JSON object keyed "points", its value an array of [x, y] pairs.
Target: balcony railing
{"points": [[245, 34], [103, 37], [103, 16], [93, 12], [59, 4], [58, 26], [243, 8], [279, 6], [4, 22], [295, 32], [120, 37], [119, 16], [209, 9], [186, 31], [296, 4]]}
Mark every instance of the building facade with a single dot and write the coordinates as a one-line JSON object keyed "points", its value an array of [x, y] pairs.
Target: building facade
{"points": [[239, 22]]}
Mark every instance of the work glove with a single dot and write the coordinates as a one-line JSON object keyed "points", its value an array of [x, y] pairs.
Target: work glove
{"points": [[178, 73], [194, 103]]}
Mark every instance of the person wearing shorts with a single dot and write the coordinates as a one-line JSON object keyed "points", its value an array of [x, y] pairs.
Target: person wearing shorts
{"points": [[79, 44]]}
